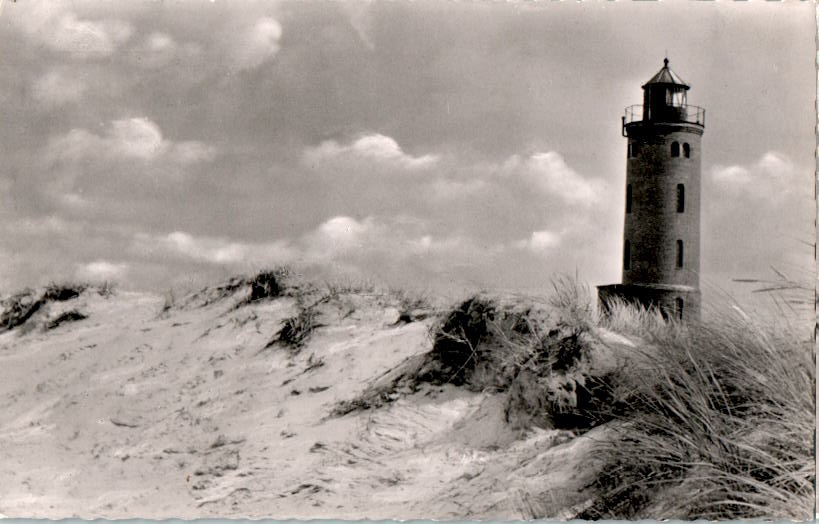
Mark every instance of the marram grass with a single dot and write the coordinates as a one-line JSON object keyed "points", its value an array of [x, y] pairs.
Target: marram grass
{"points": [[718, 421]]}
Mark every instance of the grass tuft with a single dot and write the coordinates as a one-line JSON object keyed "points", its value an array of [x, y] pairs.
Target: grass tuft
{"points": [[719, 423], [21, 307], [297, 329], [71, 315]]}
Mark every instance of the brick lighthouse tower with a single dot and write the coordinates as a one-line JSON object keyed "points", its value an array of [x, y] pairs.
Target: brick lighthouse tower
{"points": [[661, 240]]}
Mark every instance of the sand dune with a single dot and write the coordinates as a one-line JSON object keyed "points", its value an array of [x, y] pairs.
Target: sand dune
{"points": [[135, 412]]}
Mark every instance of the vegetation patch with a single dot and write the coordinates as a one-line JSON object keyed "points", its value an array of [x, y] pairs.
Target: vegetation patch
{"points": [[459, 346], [296, 329], [63, 292], [21, 307], [67, 316], [266, 284], [411, 307], [709, 420], [718, 423], [538, 354]]}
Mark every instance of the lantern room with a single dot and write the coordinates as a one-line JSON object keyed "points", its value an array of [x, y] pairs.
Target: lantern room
{"points": [[664, 101], [664, 96]]}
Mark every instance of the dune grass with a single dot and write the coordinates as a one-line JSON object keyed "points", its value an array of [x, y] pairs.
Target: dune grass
{"points": [[718, 421], [20, 307]]}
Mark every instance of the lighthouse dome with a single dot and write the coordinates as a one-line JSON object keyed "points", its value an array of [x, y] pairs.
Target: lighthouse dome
{"points": [[667, 77]]}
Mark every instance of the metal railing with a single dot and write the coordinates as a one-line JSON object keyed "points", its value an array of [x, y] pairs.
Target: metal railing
{"points": [[682, 113]]}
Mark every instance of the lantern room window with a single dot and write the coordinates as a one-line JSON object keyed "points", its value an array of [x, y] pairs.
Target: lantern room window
{"points": [[675, 97]]}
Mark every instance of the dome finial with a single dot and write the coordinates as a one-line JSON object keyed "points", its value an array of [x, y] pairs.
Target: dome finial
{"points": [[665, 61]]}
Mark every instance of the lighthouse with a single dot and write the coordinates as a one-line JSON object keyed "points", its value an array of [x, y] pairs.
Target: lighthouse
{"points": [[661, 234]]}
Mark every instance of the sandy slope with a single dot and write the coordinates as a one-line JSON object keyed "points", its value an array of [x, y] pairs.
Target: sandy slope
{"points": [[131, 413]]}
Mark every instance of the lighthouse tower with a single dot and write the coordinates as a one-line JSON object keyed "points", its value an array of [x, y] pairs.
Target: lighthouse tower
{"points": [[661, 240]]}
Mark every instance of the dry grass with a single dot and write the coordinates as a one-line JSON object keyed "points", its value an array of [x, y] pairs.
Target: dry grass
{"points": [[508, 345], [262, 285], [719, 423], [297, 329], [711, 420], [412, 306], [636, 320], [21, 307], [71, 315]]}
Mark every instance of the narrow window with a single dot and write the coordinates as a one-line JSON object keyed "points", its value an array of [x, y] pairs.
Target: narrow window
{"points": [[680, 198], [679, 303], [629, 151], [675, 149], [627, 256], [686, 150], [633, 149], [628, 198], [679, 254]]}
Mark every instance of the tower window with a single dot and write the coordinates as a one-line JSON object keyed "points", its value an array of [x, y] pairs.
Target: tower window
{"points": [[627, 255], [678, 302], [686, 150], [633, 149], [679, 254], [628, 198], [675, 149], [680, 198]]}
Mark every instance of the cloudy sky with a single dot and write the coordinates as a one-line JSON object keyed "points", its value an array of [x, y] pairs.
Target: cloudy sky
{"points": [[440, 144]]}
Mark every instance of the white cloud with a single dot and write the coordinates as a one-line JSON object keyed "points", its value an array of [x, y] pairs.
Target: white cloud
{"points": [[341, 230], [158, 50], [771, 178], [337, 236], [758, 215], [63, 31], [89, 39], [192, 152], [375, 148], [159, 42], [128, 168], [777, 165], [257, 43], [58, 87], [100, 270], [338, 240], [540, 241], [131, 138], [137, 138], [471, 210], [39, 226], [447, 188], [212, 250], [731, 176], [552, 176], [361, 19], [74, 201]]}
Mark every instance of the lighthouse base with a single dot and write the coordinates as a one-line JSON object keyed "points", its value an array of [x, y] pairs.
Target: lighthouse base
{"points": [[680, 302]]}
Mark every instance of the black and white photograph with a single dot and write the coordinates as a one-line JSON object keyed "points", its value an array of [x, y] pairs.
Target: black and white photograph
{"points": [[408, 260]]}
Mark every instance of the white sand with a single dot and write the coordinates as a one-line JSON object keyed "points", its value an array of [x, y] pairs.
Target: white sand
{"points": [[126, 414]]}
